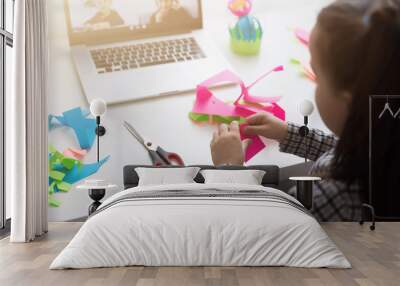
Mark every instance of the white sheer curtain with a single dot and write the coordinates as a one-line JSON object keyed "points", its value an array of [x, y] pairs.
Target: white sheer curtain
{"points": [[26, 123]]}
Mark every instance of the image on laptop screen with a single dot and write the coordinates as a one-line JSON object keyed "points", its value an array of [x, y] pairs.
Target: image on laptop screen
{"points": [[132, 16]]}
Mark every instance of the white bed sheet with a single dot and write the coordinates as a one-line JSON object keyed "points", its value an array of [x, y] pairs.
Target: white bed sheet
{"points": [[200, 232]]}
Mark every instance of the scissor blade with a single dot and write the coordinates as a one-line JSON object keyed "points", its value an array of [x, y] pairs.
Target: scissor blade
{"points": [[134, 133]]}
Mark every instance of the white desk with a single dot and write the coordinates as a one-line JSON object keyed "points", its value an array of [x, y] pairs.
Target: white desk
{"points": [[165, 120]]}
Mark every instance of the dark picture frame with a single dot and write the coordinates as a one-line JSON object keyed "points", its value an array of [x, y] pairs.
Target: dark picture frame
{"points": [[383, 188]]}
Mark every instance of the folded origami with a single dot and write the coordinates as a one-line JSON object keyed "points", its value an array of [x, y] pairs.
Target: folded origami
{"points": [[67, 168]]}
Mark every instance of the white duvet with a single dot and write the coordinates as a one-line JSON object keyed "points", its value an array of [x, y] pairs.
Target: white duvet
{"points": [[200, 231]]}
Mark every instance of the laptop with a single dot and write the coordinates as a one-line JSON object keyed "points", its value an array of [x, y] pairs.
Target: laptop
{"points": [[127, 50]]}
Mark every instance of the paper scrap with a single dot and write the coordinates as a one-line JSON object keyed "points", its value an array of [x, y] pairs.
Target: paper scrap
{"points": [[214, 118], [257, 145], [304, 69], [53, 202], [78, 154], [302, 35], [64, 186], [56, 175]]}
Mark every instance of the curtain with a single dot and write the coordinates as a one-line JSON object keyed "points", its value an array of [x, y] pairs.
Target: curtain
{"points": [[26, 123]]}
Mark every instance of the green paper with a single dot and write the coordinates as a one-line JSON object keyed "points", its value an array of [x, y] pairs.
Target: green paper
{"points": [[51, 187], [63, 186], [56, 175], [54, 203], [52, 149], [215, 118], [198, 117], [295, 62], [68, 163], [228, 119], [242, 46], [245, 48]]}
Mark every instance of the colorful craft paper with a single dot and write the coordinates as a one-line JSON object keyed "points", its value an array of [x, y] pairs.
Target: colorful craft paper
{"points": [[305, 69], [78, 154], [79, 172], [302, 35], [208, 106], [255, 146], [214, 118], [247, 33], [78, 120], [65, 171], [68, 168]]}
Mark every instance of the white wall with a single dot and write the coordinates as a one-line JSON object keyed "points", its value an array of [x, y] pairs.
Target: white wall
{"points": [[165, 120]]}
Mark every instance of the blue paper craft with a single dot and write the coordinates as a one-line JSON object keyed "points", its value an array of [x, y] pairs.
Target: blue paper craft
{"points": [[76, 119], [246, 28], [78, 173], [63, 169]]}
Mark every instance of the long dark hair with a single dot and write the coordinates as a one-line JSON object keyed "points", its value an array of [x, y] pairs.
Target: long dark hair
{"points": [[363, 57]]}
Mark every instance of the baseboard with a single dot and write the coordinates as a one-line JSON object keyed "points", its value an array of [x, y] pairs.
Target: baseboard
{"points": [[79, 219], [5, 231]]}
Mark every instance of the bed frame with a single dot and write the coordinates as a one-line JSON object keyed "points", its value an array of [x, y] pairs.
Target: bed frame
{"points": [[270, 179]]}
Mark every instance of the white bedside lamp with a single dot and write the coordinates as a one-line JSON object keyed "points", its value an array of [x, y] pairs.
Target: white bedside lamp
{"points": [[98, 108], [97, 188], [306, 108], [304, 191]]}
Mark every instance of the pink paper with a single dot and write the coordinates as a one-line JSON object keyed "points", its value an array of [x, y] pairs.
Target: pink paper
{"points": [[255, 146], [302, 35], [77, 154], [207, 103]]}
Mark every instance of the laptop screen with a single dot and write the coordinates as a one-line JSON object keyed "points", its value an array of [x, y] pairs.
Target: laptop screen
{"points": [[102, 21]]}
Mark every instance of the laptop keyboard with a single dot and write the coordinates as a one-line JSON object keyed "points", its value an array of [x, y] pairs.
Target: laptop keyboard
{"points": [[146, 54]]}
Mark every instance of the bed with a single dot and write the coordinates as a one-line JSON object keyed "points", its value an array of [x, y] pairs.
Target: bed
{"points": [[198, 224]]}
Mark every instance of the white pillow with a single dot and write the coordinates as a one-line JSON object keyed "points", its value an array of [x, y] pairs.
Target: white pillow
{"points": [[247, 177], [166, 176]]}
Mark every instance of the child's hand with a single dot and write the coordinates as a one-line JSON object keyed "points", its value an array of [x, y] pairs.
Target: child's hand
{"points": [[266, 125], [226, 146]]}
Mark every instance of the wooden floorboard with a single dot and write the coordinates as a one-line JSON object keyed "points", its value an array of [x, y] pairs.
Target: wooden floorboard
{"points": [[375, 257]]}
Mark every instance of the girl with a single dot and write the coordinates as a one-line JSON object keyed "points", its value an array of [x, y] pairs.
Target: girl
{"points": [[355, 52]]}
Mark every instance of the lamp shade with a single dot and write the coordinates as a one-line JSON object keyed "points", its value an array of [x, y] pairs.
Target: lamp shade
{"points": [[98, 107], [306, 107]]}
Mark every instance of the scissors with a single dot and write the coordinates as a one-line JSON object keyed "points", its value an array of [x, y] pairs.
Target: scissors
{"points": [[158, 155]]}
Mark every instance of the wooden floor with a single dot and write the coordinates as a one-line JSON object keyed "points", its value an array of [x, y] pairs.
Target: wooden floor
{"points": [[375, 257]]}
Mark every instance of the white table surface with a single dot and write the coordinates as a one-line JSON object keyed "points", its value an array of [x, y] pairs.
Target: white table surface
{"points": [[165, 120], [305, 178]]}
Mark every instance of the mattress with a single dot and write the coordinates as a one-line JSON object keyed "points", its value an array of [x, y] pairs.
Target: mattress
{"points": [[201, 225]]}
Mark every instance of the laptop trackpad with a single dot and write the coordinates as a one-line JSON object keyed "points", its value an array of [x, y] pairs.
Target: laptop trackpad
{"points": [[155, 81]]}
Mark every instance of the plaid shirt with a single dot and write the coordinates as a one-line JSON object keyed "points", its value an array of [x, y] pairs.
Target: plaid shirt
{"points": [[332, 200]]}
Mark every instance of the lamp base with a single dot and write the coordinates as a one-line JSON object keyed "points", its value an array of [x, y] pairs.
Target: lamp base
{"points": [[305, 193], [96, 195]]}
